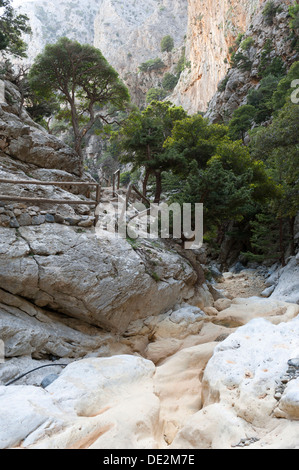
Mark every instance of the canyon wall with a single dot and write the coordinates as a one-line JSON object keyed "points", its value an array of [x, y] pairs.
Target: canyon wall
{"points": [[213, 25], [129, 32], [52, 19]]}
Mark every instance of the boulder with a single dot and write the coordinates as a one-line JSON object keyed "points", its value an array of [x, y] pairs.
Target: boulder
{"points": [[287, 287], [101, 282], [32, 144]]}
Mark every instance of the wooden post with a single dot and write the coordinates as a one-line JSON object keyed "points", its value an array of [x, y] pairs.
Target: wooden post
{"points": [[141, 195]]}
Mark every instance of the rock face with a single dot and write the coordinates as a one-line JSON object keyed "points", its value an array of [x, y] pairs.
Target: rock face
{"points": [[219, 392], [286, 282], [107, 284], [53, 19], [212, 29], [239, 385], [24, 140], [233, 89], [129, 33]]}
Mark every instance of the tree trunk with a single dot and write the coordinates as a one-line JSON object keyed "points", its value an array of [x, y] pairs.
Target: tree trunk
{"points": [[158, 187]]}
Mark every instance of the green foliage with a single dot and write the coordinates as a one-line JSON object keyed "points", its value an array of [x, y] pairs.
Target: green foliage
{"points": [[270, 11], [264, 238], [215, 171], [12, 26], [242, 120], [269, 65], [284, 88], [181, 63], [167, 44], [223, 83], [277, 145], [261, 98], [169, 81], [155, 94], [294, 14], [152, 64], [142, 136], [79, 77], [247, 44], [241, 61], [125, 178]]}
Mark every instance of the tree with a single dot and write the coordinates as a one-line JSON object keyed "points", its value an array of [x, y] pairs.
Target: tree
{"points": [[270, 11], [217, 172], [261, 98], [155, 94], [141, 139], [277, 145], [169, 81], [152, 64], [294, 13], [284, 88], [82, 80], [12, 26], [241, 122], [167, 44]]}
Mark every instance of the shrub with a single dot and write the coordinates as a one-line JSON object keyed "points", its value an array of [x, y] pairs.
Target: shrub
{"points": [[294, 13], [247, 43], [222, 84], [155, 94], [269, 12], [167, 44], [152, 64], [169, 81]]}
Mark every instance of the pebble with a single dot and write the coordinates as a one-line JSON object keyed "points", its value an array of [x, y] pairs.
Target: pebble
{"points": [[38, 220], [48, 380], [14, 223], [291, 374], [50, 218], [294, 363], [24, 219]]}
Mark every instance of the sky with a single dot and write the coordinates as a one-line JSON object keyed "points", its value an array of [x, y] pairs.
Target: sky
{"points": [[16, 3]]}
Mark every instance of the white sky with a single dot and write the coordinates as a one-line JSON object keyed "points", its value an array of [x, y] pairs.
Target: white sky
{"points": [[16, 3]]}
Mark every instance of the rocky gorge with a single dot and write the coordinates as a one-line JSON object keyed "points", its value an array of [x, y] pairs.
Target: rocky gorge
{"points": [[109, 343], [114, 345]]}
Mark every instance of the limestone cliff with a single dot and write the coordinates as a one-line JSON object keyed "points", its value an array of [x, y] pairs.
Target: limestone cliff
{"points": [[268, 41], [52, 19], [129, 32], [213, 26]]}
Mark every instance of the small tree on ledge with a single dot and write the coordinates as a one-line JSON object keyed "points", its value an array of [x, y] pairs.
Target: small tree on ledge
{"points": [[167, 44]]}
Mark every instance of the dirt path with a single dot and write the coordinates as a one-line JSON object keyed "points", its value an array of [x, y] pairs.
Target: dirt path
{"points": [[248, 283]]}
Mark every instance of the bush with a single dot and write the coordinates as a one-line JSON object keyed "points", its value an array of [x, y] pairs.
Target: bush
{"points": [[169, 81], [155, 94], [269, 12], [247, 43], [125, 178], [222, 84], [167, 44], [152, 64], [294, 13]]}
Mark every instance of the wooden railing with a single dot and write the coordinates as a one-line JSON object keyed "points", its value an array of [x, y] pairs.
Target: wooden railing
{"points": [[52, 201]]}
